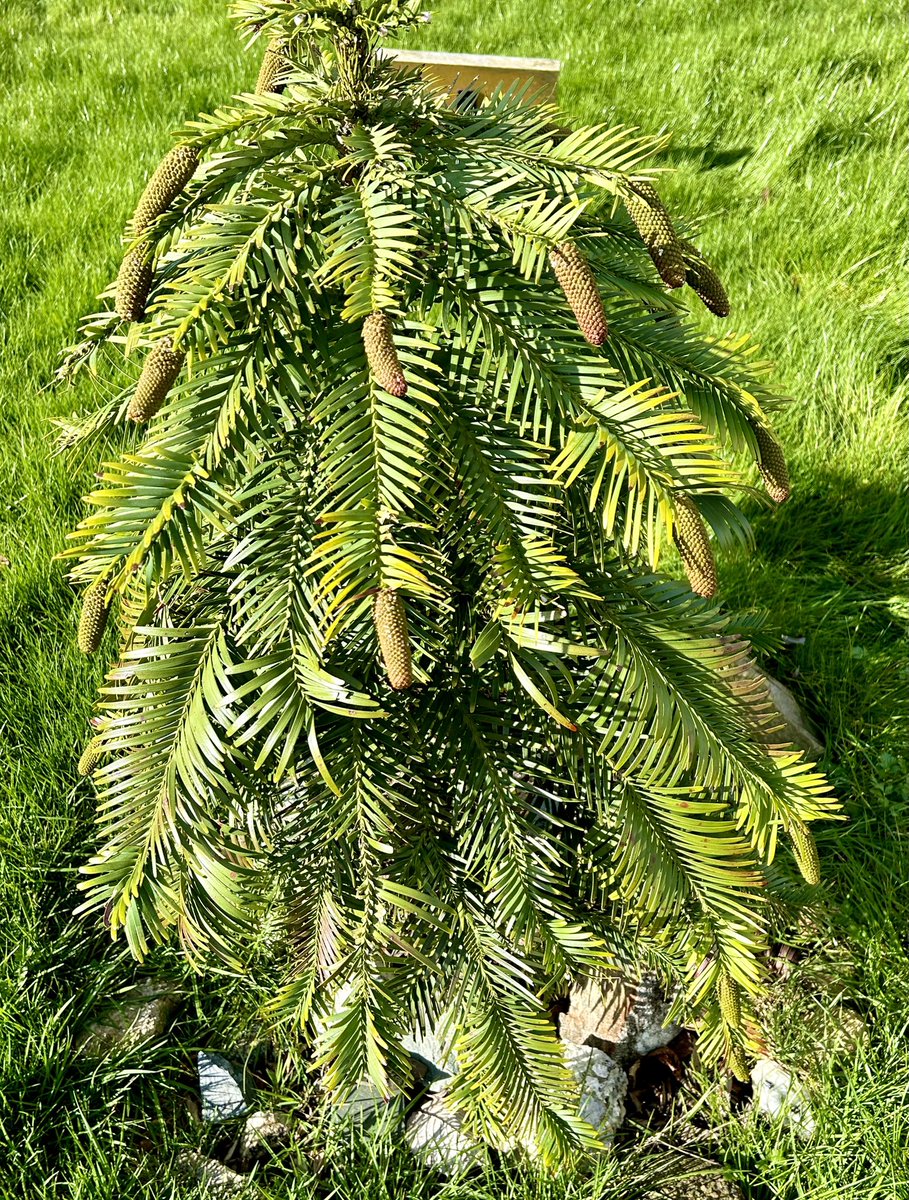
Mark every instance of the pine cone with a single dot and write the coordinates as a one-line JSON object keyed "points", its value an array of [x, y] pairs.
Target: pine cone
{"points": [[690, 535], [134, 283], [382, 355], [805, 849], [704, 281], [772, 465], [394, 642], [727, 991], [171, 176], [737, 1064], [274, 64], [654, 226], [162, 366], [92, 622], [580, 287], [91, 756]]}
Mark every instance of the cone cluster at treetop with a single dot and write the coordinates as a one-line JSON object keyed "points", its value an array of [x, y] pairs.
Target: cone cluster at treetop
{"points": [[398, 688]]}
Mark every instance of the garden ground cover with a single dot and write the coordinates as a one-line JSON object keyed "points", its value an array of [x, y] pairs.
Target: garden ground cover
{"points": [[789, 145]]}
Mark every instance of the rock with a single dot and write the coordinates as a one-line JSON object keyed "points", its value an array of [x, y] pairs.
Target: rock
{"points": [[603, 1085], [795, 727], [598, 1013], [760, 690], [435, 1134], [437, 1060], [215, 1177], [219, 1088], [617, 1016], [847, 1031], [701, 1187], [365, 1104], [777, 1094], [264, 1133], [141, 1014]]}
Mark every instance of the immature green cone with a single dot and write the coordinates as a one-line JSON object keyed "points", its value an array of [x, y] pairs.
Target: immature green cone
{"points": [[274, 64], [92, 622], [91, 756], [580, 287], [772, 465], [654, 226], [806, 856], [158, 374], [171, 176], [382, 355], [134, 283], [690, 535], [704, 281], [737, 1064], [394, 640], [727, 991]]}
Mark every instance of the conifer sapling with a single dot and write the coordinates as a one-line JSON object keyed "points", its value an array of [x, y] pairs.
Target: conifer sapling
{"points": [[400, 454]]}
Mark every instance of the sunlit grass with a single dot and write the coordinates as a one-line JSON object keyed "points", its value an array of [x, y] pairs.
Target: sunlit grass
{"points": [[789, 135]]}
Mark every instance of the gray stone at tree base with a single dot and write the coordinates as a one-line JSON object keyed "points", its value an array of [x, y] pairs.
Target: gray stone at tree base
{"points": [[777, 1094], [219, 1088], [603, 1085], [435, 1134], [139, 1015]]}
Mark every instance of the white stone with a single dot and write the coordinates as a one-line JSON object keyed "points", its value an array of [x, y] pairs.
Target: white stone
{"points": [[796, 728], [141, 1014], [215, 1177], [267, 1131], [603, 1085], [778, 1095], [438, 1059], [219, 1089], [615, 1015], [598, 1012], [435, 1134]]}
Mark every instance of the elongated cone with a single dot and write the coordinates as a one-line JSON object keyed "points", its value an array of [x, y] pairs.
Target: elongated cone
{"points": [[394, 640], [772, 465], [383, 358], [134, 283], [737, 1064], [704, 281], [655, 227], [690, 535], [580, 287], [92, 622], [171, 176], [806, 856], [274, 64], [158, 374], [727, 991], [91, 756]]}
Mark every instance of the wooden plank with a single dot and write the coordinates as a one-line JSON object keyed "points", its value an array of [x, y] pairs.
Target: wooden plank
{"points": [[482, 72]]}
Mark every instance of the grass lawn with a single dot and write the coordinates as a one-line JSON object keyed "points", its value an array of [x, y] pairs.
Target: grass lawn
{"points": [[789, 143]]}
